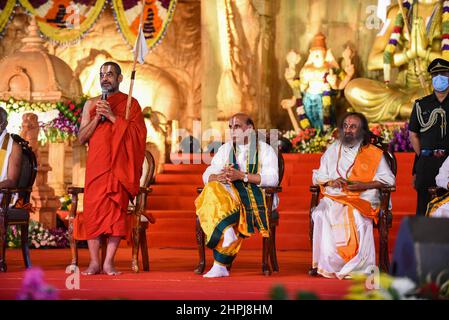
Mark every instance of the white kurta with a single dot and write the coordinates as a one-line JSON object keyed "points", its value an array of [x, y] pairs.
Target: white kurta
{"points": [[4, 170], [330, 213], [442, 180], [269, 172]]}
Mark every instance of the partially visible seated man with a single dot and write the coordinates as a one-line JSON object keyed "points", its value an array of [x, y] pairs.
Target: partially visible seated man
{"points": [[350, 172], [10, 165], [439, 207], [10, 155], [232, 204]]}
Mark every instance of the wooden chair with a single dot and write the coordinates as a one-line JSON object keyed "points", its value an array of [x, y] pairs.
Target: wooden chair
{"points": [[385, 214], [436, 192], [18, 215], [140, 219], [269, 258]]}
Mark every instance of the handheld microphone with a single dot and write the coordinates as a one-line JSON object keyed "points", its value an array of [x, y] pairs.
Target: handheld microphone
{"points": [[104, 95]]}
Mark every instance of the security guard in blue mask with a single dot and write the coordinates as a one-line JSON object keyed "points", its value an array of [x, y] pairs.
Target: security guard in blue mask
{"points": [[428, 132]]}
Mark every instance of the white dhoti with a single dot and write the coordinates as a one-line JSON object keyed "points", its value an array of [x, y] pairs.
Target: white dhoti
{"points": [[6, 143], [327, 216]]}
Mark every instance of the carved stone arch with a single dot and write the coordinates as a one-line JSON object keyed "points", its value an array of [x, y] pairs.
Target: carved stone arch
{"points": [[19, 84]]}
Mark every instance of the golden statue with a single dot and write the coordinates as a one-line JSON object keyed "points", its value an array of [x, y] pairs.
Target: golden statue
{"points": [[319, 79], [408, 46]]}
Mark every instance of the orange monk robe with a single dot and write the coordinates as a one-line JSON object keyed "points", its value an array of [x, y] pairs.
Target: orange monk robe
{"points": [[114, 166]]}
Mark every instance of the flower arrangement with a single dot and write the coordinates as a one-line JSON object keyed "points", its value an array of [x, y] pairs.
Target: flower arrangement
{"points": [[381, 286], [13, 237], [59, 129], [311, 141], [66, 202], [56, 127], [397, 136], [38, 236], [278, 292], [46, 238], [35, 288], [12, 105], [66, 125], [400, 141], [72, 110], [398, 288]]}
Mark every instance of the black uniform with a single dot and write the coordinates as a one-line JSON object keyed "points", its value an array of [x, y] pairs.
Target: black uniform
{"points": [[434, 142]]}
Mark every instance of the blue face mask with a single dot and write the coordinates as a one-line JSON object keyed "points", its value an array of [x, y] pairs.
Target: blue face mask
{"points": [[440, 83]]}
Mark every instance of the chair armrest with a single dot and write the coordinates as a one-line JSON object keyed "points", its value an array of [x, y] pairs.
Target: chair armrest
{"points": [[433, 192], [436, 192], [272, 190], [387, 189], [314, 188], [145, 190], [14, 190], [75, 190], [199, 189]]}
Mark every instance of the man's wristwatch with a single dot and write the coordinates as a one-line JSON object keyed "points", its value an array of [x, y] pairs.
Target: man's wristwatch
{"points": [[245, 177]]}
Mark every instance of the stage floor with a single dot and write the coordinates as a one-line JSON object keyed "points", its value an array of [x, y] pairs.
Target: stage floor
{"points": [[171, 277]]}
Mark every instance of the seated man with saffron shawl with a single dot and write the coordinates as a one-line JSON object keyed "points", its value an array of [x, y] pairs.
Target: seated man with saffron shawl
{"points": [[232, 204], [350, 172], [439, 207]]}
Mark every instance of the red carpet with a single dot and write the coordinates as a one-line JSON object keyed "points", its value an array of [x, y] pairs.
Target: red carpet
{"points": [[171, 277]]}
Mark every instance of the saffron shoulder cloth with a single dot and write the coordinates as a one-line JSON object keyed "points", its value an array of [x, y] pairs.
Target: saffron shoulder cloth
{"points": [[217, 209], [345, 231]]}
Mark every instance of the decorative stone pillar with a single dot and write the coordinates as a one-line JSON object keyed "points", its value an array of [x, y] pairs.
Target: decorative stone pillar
{"points": [[43, 197], [56, 160], [79, 157]]}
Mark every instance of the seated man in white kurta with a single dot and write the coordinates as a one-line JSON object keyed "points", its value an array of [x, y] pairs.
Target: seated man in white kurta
{"points": [[232, 205], [10, 155], [350, 172], [439, 207]]}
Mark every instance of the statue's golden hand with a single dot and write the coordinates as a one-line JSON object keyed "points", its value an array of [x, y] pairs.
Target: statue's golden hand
{"points": [[418, 40], [332, 79], [288, 103], [410, 54], [289, 74], [293, 59], [349, 70]]}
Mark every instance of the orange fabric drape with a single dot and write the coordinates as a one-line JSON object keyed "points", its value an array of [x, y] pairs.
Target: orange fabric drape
{"points": [[364, 170], [114, 166]]}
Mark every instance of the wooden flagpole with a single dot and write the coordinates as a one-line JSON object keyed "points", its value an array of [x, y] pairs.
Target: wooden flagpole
{"points": [[136, 54]]}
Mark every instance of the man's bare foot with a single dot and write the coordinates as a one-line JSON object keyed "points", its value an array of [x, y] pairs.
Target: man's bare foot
{"points": [[111, 271], [91, 270]]}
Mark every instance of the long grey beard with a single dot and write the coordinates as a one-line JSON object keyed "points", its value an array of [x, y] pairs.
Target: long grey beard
{"points": [[350, 143]]}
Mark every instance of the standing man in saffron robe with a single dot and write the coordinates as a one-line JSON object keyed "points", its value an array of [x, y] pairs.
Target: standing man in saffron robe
{"points": [[350, 173], [114, 166]]}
